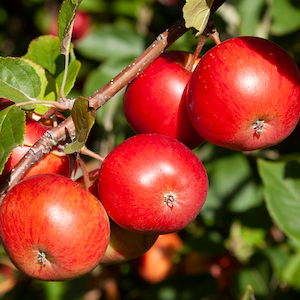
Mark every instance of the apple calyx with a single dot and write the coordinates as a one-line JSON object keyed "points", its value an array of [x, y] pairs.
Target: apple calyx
{"points": [[169, 199], [258, 127], [42, 258]]}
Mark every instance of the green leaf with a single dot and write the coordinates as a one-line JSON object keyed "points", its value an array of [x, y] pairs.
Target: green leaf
{"points": [[281, 24], [249, 293], [244, 240], [55, 290], [83, 118], [291, 272], [227, 174], [65, 18], [249, 195], [254, 278], [73, 69], [196, 14], [117, 42], [45, 52], [19, 81], [250, 11], [12, 131], [282, 193], [49, 89], [94, 6], [278, 257]]}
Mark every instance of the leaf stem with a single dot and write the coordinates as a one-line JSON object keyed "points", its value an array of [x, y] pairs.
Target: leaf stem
{"points": [[44, 102]]}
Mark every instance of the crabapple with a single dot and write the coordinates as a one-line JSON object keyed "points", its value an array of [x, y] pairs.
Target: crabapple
{"points": [[152, 183], [52, 228], [155, 101], [245, 94], [123, 244]]}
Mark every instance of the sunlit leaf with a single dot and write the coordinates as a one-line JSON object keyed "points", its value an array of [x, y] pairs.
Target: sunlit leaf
{"points": [[12, 131], [285, 17], [49, 89], [66, 16], [65, 23], [45, 52], [19, 81], [196, 14]]}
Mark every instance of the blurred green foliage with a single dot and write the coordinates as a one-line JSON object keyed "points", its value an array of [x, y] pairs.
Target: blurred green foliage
{"points": [[242, 217]]}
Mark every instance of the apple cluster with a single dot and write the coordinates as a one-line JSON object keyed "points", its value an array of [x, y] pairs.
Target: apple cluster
{"points": [[55, 228], [243, 94]]}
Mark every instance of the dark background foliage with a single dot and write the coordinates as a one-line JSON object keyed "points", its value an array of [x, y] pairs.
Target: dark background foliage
{"points": [[234, 244]]}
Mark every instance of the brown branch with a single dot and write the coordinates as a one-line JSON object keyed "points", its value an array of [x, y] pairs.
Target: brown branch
{"points": [[66, 129], [162, 42]]}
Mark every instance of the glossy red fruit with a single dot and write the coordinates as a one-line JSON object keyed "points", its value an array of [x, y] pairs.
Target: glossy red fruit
{"points": [[123, 244], [52, 228], [152, 183], [126, 245], [155, 101], [51, 163], [245, 94]]}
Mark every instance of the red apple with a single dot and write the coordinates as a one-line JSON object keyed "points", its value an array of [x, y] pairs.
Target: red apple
{"points": [[52, 228], [155, 101], [82, 25], [123, 244], [5, 103], [245, 94], [51, 163], [158, 263], [152, 183], [126, 245]]}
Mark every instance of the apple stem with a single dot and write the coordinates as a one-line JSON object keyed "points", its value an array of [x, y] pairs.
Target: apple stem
{"points": [[215, 36], [197, 52], [85, 173], [210, 31]]}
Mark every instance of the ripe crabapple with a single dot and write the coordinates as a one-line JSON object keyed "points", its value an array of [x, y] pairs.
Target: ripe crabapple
{"points": [[152, 183], [52, 228], [50, 163], [245, 94], [123, 244], [155, 101]]}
